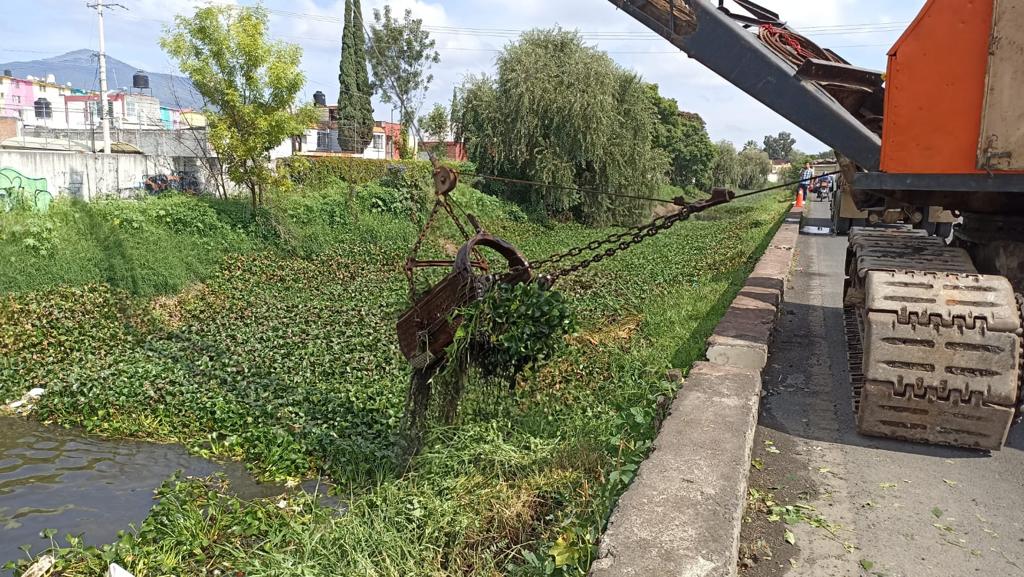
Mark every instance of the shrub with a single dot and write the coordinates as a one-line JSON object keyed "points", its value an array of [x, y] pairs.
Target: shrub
{"points": [[382, 199], [317, 170]]}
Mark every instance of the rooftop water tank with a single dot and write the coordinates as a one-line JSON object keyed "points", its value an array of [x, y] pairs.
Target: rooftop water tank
{"points": [[319, 99], [51, 79], [7, 72], [140, 81]]}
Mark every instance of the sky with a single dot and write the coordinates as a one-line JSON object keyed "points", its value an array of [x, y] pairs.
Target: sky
{"points": [[470, 34]]}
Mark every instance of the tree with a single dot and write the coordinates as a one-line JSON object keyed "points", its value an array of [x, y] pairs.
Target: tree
{"points": [[725, 169], [779, 147], [797, 160], [355, 110], [455, 116], [751, 145], [683, 137], [249, 85], [401, 55], [564, 114], [753, 167], [437, 122]]}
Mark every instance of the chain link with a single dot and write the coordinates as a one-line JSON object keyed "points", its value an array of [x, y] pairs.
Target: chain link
{"points": [[608, 246]]}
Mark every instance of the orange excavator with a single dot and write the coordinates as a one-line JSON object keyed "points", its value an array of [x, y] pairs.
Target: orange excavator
{"points": [[934, 327]]}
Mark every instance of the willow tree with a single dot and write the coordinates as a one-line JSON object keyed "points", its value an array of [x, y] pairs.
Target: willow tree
{"points": [[250, 85], [355, 110], [565, 114]]}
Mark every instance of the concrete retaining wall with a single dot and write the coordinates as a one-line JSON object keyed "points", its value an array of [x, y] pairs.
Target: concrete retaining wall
{"points": [[681, 516], [87, 176]]}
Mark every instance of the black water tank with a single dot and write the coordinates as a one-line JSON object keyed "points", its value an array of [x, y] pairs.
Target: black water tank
{"points": [[7, 72], [319, 99], [140, 80]]}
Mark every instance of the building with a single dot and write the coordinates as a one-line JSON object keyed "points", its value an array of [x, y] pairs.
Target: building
{"points": [[779, 167], [45, 104], [128, 111], [452, 150], [382, 146], [33, 101]]}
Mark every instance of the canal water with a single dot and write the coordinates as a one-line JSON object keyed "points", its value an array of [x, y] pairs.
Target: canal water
{"points": [[52, 478]]}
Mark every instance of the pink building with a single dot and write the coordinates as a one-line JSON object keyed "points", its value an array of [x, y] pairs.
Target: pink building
{"points": [[16, 96], [34, 101]]}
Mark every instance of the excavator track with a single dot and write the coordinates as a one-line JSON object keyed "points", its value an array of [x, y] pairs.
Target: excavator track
{"points": [[934, 347]]}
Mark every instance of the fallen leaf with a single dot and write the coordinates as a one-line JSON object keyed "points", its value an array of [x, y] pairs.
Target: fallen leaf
{"points": [[942, 527], [867, 565], [789, 537], [887, 485], [950, 483], [937, 512], [772, 449], [824, 470], [758, 464]]}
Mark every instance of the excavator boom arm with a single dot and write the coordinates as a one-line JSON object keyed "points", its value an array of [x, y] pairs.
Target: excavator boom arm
{"points": [[723, 42]]}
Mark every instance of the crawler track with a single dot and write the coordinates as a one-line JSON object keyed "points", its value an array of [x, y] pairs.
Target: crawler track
{"points": [[934, 347]]}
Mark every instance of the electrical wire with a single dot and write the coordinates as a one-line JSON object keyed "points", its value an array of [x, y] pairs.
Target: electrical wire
{"points": [[785, 185]]}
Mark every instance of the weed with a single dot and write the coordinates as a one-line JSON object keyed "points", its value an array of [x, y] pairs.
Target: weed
{"points": [[285, 357]]}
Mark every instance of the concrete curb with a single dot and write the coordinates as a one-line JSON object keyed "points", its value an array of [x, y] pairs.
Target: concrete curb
{"points": [[681, 516]]}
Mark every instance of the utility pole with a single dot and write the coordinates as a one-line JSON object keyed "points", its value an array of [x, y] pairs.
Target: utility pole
{"points": [[99, 5]]}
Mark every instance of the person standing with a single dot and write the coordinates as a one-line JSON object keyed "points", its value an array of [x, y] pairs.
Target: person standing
{"points": [[806, 177]]}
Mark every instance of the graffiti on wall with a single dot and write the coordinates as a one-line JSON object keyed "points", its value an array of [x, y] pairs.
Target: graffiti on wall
{"points": [[179, 181], [16, 189]]}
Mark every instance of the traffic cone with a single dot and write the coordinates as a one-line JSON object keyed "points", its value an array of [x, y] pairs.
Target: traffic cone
{"points": [[799, 199]]}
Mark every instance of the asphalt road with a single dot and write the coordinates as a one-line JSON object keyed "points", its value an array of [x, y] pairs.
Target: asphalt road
{"points": [[888, 508]]}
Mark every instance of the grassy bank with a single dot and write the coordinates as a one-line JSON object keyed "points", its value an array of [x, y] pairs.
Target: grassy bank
{"points": [[272, 341]]}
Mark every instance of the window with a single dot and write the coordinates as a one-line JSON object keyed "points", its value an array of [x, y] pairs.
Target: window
{"points": [[17, 99], [133, 110], [97, 110], [43, 108], [323, 140], [378, 142]]}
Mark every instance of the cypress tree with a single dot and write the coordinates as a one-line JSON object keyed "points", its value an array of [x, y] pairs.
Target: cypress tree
{"points": [[355, 111]]}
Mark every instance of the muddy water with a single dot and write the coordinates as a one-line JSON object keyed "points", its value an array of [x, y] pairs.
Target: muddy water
{"points": [[52, 478]]}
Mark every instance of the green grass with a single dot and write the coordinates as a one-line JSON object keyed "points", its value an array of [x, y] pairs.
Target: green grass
{"points": [[283, 354]]}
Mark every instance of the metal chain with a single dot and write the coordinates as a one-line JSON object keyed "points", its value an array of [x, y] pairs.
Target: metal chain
{"points": [[611, 245]]}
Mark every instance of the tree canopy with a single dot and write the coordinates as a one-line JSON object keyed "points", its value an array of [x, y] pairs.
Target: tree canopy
{"points": [[753, 168], [355, 110], [563, 113], [401, 54], [249, 84], [725, 169], [779, 147], [684, 138], [746, 170], [437, 122]]}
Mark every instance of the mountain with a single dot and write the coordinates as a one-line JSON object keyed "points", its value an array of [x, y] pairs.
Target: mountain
{"points": [[81, 69]]}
